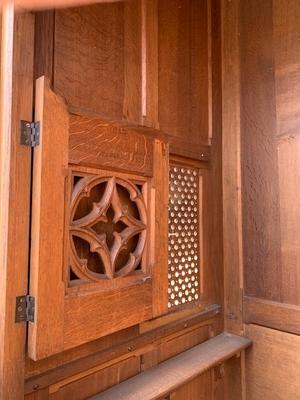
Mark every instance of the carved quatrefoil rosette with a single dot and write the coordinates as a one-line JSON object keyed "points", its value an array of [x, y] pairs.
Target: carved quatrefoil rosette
{"points": [[113, 232]]}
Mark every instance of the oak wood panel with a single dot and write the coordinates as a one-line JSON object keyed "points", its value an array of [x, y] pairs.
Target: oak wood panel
{"points": [[150, 63], [218, 382], [178, 343], [287, 62], [272, 364], [270, 147], [7, 45], [287, 65], [132, 102], [93, 142], [95, 379], [17, 45], [232, 212], [50, 371], [200, 388], [183, 46], [38, 395], [164, 378], [85, 351], [289, 196], [234, 379], [83, 321], [92, 68], [260, 187], [185, 148], [285, 317], [140, 72], [44, 44], [49, 171], [96, 382]]}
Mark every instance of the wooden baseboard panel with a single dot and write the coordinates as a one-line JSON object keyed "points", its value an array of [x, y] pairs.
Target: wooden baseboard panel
{"points": [[284, 317]]}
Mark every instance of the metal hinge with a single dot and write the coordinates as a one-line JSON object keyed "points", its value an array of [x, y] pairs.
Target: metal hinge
{"points": [[30, 133], [25, 309]]}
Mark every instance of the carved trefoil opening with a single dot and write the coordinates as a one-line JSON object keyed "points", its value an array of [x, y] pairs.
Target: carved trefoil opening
{"points": [[107, 227], [184, 232]]}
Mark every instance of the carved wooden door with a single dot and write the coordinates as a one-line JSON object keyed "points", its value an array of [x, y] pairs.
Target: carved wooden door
{"points": [[99, 227]]}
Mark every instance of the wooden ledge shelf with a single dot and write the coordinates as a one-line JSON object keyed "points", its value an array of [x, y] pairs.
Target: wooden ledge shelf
{"points": [[162, 379]]}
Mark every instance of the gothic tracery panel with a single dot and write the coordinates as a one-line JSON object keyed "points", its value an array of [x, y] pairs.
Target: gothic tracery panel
{"points": [[107, 227]]}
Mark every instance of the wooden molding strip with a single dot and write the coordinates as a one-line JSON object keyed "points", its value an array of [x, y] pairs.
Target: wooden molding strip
{"points": [[162, 379], [285, 317]]}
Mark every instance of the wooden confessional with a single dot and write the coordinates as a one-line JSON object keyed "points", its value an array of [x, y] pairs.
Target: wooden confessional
{"points": [[149, 186]]}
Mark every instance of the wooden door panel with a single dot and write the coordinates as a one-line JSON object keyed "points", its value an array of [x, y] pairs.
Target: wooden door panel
{"points": [[47, 234], [94, 267]]}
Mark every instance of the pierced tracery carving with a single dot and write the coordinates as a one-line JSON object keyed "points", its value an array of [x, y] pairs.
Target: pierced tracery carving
{"points": [[108, 224]]}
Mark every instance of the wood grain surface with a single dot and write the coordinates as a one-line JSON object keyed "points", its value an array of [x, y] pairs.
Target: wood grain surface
{"points": [[17, 46], [48, 221], [260, 182], [94, 142], [97, 59], [272, 364], [183, 46]]}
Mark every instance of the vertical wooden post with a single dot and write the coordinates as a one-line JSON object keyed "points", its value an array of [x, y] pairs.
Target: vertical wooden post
{"points": [[15, 172], [232, 214], [150, 63]]}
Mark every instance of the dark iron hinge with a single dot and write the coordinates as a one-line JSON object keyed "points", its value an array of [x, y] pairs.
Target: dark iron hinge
{"points": [[30, 133], [25, 309]]}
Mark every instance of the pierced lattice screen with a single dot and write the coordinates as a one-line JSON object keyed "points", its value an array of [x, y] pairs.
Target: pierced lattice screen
{"points": [[183, 243]]}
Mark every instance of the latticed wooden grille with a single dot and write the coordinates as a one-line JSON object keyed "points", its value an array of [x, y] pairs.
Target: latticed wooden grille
{"points": [[183, 244]]}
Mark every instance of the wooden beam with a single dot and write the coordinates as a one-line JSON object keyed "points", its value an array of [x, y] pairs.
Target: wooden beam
{"points": [[232, 211], [15, 172], [162, 379], [284, 317], [43, 4]]}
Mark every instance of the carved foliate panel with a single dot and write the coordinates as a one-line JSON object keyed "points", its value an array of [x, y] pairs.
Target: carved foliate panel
{"points": [[108, 226], [184, 235]]}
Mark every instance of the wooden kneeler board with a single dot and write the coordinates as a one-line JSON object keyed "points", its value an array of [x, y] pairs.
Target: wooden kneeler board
{"points": [[100, 198]]}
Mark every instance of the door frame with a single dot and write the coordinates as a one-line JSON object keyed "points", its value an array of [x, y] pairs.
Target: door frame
{"points": [[17, 56]]}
